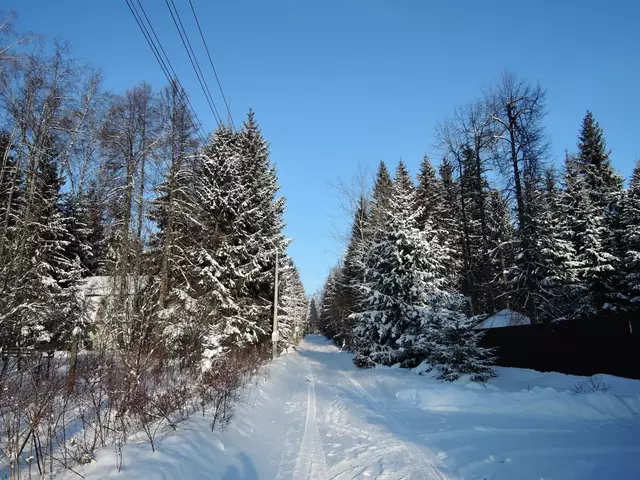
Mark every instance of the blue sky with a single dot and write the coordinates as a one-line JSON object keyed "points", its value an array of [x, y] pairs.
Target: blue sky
{"points": [[337, 83]]}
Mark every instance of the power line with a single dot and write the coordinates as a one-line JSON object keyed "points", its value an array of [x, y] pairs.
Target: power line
{"points": [[211, 63], [193, 59], [168, 71]]}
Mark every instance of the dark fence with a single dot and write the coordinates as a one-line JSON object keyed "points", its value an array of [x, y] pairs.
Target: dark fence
{"points": [[585, 347]]}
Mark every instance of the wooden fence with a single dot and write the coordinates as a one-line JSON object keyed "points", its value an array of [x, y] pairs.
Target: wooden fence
{"points": [[586, 347]]}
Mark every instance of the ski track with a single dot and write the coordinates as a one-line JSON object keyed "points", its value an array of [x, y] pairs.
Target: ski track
{"points": [[297, 400], [311, 462]]}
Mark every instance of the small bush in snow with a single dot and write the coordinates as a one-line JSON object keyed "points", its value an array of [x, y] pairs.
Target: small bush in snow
{"points": [[593, 384]]}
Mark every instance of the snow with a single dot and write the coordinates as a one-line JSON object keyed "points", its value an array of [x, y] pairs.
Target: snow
{"points": [[102, 286], [538, 401], [318, 417], [504, 318]]}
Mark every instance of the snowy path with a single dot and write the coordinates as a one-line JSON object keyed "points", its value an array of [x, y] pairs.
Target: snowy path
{"points": [[357, 447], [311, 462], [317, 417]]}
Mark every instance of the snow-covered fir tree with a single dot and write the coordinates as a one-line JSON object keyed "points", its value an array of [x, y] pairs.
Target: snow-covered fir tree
{"points": [[90, 217], [631, 240], [394, 276], [557, 259], [382, 189], [603, 186], [452, 342], [586, 226], [220, 257], [329, 306], [446, 221], [410, 312], [263, 223], [292, 312], [475, 273], [40, 305], [313, 316], [428, 191], [435, 197], [500, 245], [352, 276], [592, 161]]}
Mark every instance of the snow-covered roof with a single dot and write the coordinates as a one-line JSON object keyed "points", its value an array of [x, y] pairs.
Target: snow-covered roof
{"points": [[101, 286], [96, 286], [504, 318]]}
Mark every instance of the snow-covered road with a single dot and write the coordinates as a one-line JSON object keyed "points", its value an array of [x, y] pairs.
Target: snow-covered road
{"points": [[348, 433], [318, 417]]}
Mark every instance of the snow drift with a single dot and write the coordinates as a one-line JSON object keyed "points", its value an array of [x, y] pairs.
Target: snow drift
{"points": [[544, 401]]}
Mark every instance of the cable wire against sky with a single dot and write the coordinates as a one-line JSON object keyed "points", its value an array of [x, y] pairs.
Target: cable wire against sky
{"points": [[168, 71], [172, 70], [224, 98], [193, 59]]}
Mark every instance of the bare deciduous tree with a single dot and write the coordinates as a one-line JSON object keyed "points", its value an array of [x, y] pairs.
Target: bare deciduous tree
{"points": [[517, 109]]}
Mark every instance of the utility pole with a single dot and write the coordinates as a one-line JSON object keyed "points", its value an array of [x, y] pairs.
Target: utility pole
{"points": [[274, 335]]}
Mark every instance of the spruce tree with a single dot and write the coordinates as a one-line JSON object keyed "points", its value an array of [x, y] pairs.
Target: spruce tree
{"points": [[79, 246], [472, 208], [557, 259], [218, 257], [631, 239], [428, 191], [592, 161], [329, 308], [452, 341], [586, 228], [447, 222], [437, 196], [369, 222], [382, 189], [398, 267], [41, 303], [91, 218], [604, 188], [263, 221], [314, 318], [351, 276], [501, 249], [292, 312]]}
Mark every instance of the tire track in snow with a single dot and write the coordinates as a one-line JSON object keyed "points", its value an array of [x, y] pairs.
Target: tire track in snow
{"points": [[311, 462], [425, 463]]}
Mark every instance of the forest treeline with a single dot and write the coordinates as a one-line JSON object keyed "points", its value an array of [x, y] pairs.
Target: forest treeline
{"points": [[180, 233], [496, 226]]}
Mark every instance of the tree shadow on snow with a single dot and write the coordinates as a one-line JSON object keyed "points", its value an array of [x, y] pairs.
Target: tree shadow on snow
{"points": [[246, 472]]}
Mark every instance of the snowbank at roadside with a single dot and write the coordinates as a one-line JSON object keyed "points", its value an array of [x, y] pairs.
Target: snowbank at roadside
{"points": [[520, 391], [537, 401]]}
